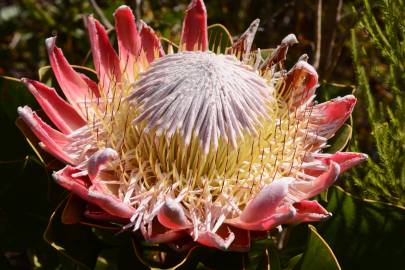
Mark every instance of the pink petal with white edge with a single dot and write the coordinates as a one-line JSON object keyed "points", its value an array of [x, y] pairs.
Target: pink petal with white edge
{"points": [[50, 138], [72, 84], [129, 40], [105, 58], [300, 83], [194, 35], [266, 202], [346, 160], [309, 211], [172, 216], [151, 45], [301, 189], [99, 159], [266, 210], [61, 113], [110, 204], [326, 118]]}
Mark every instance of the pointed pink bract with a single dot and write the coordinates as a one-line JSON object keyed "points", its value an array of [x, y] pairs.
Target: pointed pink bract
{"points": [[300, 83], [150, 42], [51, 139], [194, 35], [105, 58], [72, 84], [346, 160], [329, 116], [129, 40], [309, 211], [61, 113]]}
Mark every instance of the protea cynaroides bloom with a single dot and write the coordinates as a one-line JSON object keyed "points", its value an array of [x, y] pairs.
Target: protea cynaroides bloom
{"points": [[193, 143]]}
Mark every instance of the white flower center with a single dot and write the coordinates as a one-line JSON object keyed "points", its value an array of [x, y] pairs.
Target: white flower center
{"points": [[212, 96]]}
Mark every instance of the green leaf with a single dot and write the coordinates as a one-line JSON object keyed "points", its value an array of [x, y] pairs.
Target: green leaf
{"points": [[263, 255], [364, 234], [219, 38], [75, 241], [341, 139], [293, 262], [318, 254]]}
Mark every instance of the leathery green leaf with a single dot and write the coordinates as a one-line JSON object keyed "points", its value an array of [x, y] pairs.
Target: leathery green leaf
{"points": [[318, 254], [341, 139], [263, 255], [355, 220]]}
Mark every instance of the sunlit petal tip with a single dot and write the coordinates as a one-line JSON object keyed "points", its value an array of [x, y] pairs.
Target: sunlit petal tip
{"points": [[194, 35], [329, 116], [122, 8], [129, 41], [301, 64], [309, 211], [301, 81], [265, 203], [304, 57], [340, 108], [347, 160], [172, 216], [98, 159], [289, 40]]}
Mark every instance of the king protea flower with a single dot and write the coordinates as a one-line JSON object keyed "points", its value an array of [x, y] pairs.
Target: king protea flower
{"points": [[194, 142]]}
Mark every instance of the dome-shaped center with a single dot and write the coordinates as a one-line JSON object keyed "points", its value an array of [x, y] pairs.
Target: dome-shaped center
{"points": [[201, 94]]}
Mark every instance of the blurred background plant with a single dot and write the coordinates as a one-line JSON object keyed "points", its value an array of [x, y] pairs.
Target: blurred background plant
{"points": [[355, 45]]}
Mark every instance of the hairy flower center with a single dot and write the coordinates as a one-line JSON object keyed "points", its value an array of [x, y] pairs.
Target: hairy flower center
{"points": [[202, 127], [203, 94]]}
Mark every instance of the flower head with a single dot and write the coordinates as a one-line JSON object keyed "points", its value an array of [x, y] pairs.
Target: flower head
{"points": [[194, 142]]}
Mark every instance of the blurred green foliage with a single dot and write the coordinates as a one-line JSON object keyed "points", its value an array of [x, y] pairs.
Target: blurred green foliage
{"points": [[378, 45], [363, 234]]}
